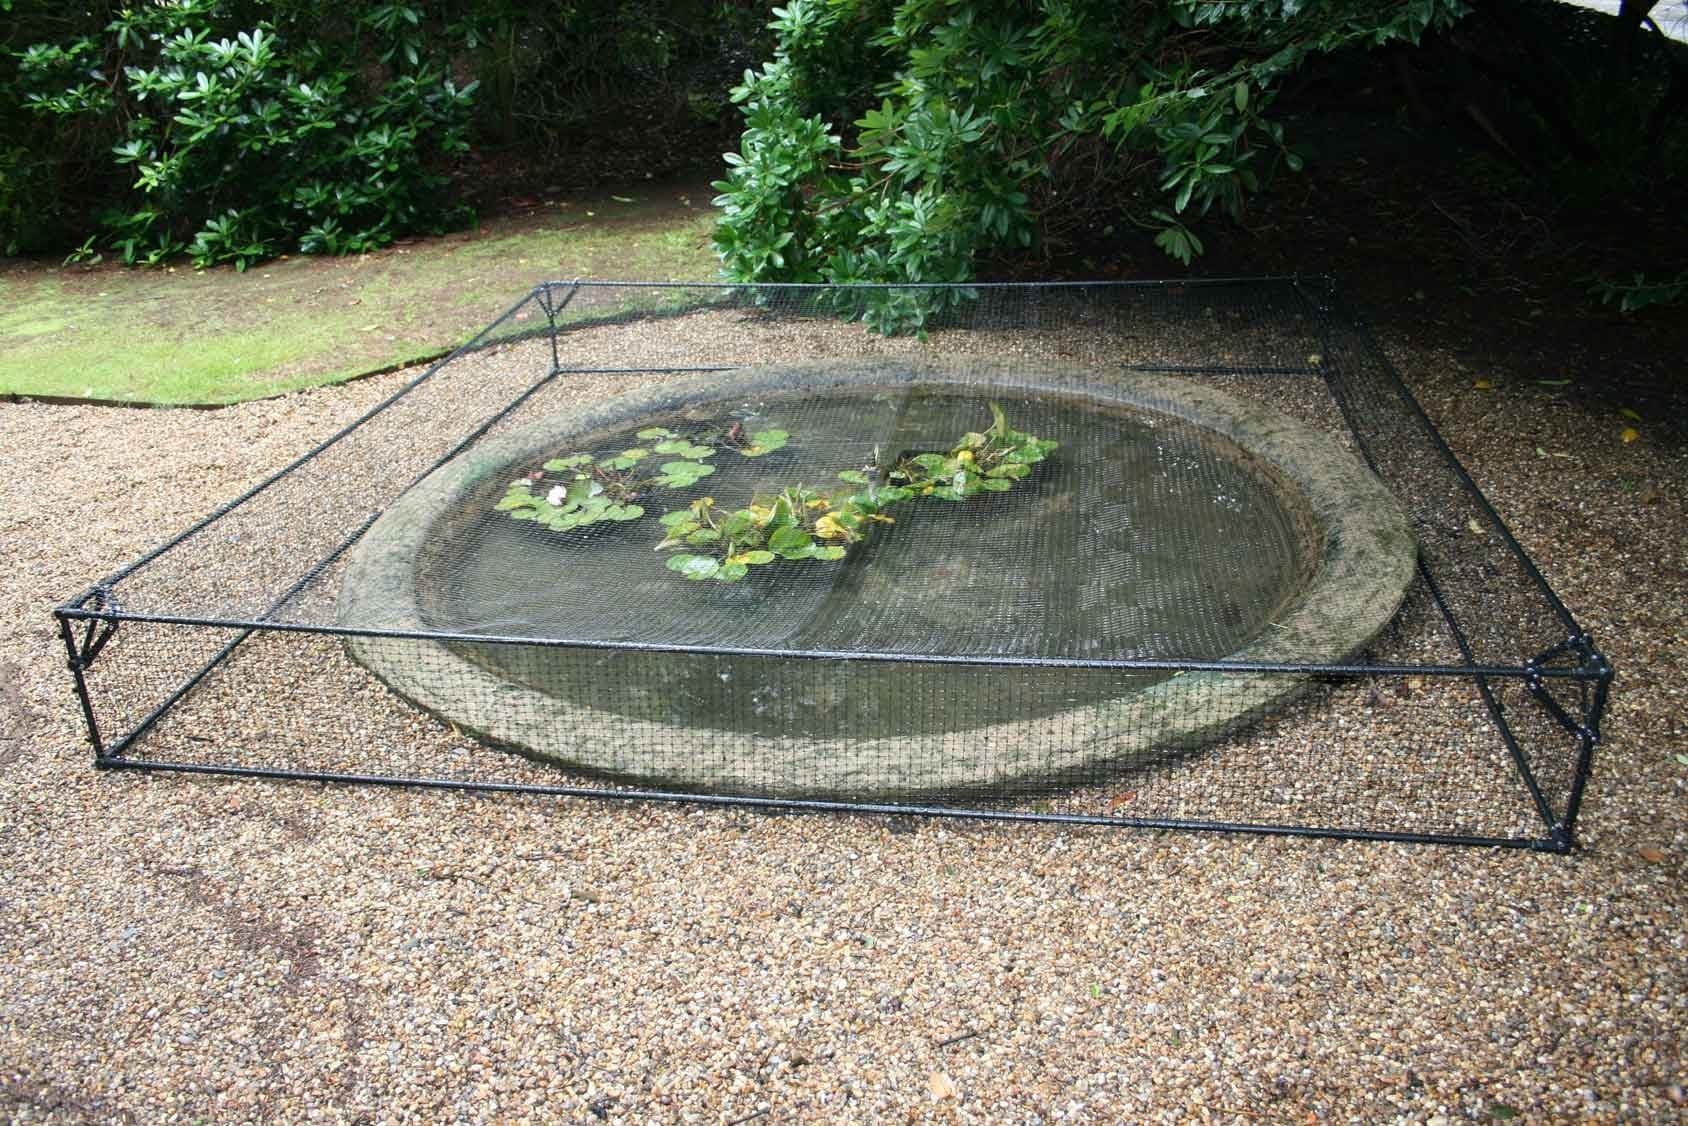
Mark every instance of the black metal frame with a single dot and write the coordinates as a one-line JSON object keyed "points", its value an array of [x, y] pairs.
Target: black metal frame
{"points": [[92, 619]]}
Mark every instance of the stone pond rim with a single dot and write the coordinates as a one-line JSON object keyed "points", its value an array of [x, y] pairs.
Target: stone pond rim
{"points": [[1363, 558]]}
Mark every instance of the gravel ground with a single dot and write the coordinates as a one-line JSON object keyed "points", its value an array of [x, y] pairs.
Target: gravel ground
{"points": [[185, 948]]}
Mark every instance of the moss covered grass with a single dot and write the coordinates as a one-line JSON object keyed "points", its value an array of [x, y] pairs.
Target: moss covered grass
{"points": [[179, 336]]}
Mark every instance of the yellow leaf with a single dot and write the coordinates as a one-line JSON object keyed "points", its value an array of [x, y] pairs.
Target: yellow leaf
{"points": [[1630, 414], [941, 1086], [828, 527], [1629, 435], [817, 503], [1484, 385]]}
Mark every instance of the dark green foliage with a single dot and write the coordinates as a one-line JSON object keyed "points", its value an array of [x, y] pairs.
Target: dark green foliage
{"points": [[232, 129], [248, 131], [898, 141]]}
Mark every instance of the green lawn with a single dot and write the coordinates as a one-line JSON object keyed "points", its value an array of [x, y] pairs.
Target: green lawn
{"points": [[181, 336]]}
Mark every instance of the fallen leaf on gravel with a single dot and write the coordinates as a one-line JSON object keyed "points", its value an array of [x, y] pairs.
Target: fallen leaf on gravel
{"points": [[1650, 854], [1484, 385], [1121, 799], [1474, 526], [1630, 414], [1648, 495], [1629, 435], [942, 1086]]}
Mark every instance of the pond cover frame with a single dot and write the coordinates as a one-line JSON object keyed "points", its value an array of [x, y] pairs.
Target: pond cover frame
{"points": [[1473, 720]]}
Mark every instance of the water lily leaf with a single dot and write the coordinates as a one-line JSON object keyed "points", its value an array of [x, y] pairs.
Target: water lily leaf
{"points": [[679, 447], [703, 535], [651, 432], [732, 572], [996, 484], [622, 462], [677, 517], [693, 566], [558, 464], [999, 421], [766, 442], [756, 557], [680, 474], [831, 528], [789, 539], [830, 552], [525, 514], [624, 512], [514, 499], [971, 440], [854, 476], [737, 524]]}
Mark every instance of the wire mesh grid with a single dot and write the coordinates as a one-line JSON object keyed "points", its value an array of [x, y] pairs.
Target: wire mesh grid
{"points": [[1247, 587]]}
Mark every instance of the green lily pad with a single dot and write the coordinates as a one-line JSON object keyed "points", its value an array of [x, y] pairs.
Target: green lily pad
{"points": [[558, 464], [693, 566], [679, 447], [789, 539], [766, 442]]}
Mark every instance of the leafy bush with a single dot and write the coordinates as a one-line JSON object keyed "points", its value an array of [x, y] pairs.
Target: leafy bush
{"points": [[1642, 291], [980, 125], [242, 141]]}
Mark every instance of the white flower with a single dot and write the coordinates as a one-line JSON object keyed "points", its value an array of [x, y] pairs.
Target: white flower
{"points": [[557, 496]]}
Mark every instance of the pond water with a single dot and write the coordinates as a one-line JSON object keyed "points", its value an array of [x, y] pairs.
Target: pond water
{"points": [[1140, 536]]}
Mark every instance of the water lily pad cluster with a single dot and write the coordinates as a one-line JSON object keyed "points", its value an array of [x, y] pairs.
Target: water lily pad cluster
{"points": [[799, 523], [803, 523], [579, 490], [987, 462]]}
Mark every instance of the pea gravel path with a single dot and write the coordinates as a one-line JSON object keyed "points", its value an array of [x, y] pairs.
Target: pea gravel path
{"points": [[197, 949]]}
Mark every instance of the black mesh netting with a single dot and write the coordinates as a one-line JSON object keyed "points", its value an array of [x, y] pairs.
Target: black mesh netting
{"points": [[1184, 554]]}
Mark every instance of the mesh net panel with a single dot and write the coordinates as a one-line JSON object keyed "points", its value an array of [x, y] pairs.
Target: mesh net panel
{"points": [[1173, 617]]}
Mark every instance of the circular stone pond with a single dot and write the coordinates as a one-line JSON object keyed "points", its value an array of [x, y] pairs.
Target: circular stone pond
{"points": [[1171, 522]]}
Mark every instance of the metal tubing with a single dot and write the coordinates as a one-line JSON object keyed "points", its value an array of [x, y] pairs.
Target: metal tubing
{"points": [[228, 506], [1429, 430], [77, 666], [1520, 761], [1134, 283], [801, 805], [1591, 740], [1126, 664]]}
